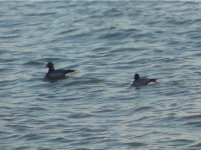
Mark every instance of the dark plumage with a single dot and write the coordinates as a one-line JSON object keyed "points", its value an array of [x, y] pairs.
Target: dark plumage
{"points": [[138, 81], [56, 74]]}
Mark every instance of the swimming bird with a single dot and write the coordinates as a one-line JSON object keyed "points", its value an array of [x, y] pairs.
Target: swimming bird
{"points": [[139, 81], [55, 74]]}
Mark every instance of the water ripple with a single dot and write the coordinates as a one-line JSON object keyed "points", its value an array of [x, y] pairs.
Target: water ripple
{"points": [[107, 43]]}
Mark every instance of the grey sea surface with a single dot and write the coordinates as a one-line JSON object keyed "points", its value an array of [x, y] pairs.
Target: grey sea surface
{"points": [[107, 42]]}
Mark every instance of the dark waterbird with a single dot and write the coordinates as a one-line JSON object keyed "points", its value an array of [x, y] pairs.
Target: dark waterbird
{"points": [[55, 74], [139, 81]]}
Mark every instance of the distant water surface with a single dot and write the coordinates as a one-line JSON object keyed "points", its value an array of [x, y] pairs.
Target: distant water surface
{"points": [[107, 42]]}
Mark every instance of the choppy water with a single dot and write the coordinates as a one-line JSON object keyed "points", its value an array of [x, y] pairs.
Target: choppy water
{"points": [[107, 42]]}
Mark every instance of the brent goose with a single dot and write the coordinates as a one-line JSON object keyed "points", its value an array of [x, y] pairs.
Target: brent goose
{"points": [[55, 74], [139, 81]]}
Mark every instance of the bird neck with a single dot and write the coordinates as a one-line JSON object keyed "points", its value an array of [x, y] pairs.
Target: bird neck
{"points": [[51, 69]]}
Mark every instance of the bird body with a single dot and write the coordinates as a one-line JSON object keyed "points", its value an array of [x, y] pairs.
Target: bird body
{"points": [[55, 74], [139, 81]]}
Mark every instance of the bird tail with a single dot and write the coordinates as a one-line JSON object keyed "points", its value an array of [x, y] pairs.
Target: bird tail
{"points": [[70, 70], [152, 80]]}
